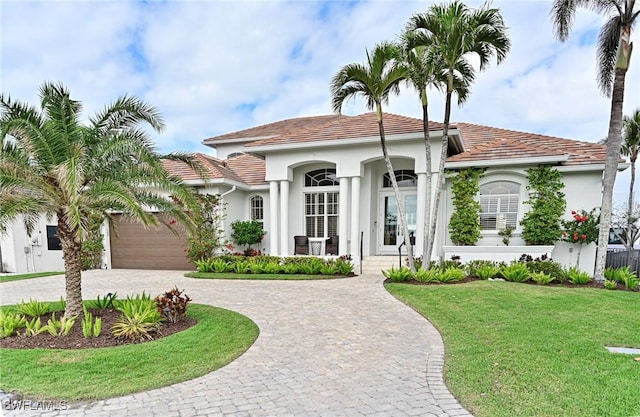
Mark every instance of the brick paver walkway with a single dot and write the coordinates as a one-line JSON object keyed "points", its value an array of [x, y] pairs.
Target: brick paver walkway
{"points": [[326, 348]]}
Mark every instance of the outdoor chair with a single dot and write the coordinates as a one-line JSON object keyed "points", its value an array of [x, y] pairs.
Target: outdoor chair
{"points": [[331, 246], [301, 245]]}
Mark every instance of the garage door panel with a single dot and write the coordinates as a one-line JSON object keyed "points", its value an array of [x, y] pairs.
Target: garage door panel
{"points": [[134, 247]]}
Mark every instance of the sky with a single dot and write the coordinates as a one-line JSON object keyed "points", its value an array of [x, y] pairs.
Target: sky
{"points": [[213, 67]]}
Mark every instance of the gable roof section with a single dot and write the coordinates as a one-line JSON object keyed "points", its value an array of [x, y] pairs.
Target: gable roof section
{"points": [[484, 143], [251, 168], [246, 169], [348, 127], [273, 129]]}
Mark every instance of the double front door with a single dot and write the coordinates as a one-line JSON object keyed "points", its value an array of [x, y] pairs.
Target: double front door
{"points": [[390, 233]]}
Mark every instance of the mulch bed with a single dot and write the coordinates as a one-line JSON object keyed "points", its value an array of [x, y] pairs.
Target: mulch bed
{"points": [[76, 340]]}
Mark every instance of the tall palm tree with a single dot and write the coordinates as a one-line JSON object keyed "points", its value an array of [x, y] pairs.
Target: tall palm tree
{"points": [[53, 164], [454, 33], [428, 71], [375, 81], [631, 148], [613, 58]]}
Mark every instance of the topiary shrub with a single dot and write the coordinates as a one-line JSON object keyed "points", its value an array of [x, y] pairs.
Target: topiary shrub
{"points": [[464, 225], [247, 233], [541, 224]]}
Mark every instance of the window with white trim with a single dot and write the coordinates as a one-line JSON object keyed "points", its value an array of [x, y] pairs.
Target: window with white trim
{"points": [[321, 203], [404, 178], [499, 202], [257, 208]]}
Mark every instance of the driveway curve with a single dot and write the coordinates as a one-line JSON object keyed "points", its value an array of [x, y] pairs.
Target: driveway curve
{"points": [[342, 347]]}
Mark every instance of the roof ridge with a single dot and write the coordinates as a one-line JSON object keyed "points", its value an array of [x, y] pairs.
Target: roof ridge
{"points": [[462, 124]]}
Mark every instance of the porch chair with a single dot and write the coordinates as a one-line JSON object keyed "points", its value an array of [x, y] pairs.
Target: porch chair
{"points": [[301, 245], [331, 246]]}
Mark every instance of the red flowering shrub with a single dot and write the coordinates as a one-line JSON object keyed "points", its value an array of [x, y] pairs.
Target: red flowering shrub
{"points": [[583, 228]]}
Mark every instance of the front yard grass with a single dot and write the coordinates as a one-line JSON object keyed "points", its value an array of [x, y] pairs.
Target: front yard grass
{"points": [[7, 278], [219, 337], [525, 350], [233, 275]]}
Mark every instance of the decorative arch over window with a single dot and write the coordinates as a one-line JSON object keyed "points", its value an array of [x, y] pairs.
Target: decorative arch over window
{"points": [[499, 203], [257, 208], [321, 178], [404, 178]]}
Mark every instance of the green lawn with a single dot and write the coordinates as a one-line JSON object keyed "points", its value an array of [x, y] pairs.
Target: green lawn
{"points": [[7, 278], [219, 337], [526, 350], [233, 275]]}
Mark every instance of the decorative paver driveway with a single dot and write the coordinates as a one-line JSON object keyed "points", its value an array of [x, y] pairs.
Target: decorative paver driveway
{"points": [[340, 347]]}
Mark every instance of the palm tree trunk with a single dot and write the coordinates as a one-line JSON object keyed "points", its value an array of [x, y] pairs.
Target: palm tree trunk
{"points": [[396, 189], [443, 158], [629, 240], [71, 252], [614, 140], [427, 238]]}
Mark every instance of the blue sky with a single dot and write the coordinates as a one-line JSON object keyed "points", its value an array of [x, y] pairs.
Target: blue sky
{"points": [[213, 67]]}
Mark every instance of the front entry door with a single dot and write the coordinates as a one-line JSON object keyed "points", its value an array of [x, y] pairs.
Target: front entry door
{"points": [[390, 234]]}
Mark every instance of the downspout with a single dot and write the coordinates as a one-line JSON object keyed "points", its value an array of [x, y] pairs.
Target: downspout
{"points": [[222, 202]]}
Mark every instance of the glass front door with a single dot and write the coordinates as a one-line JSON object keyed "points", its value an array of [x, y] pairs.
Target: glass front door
{"points": [[390, 233]]}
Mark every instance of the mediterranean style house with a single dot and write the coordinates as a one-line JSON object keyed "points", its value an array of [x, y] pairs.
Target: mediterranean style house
{"points": [[324, 176]]}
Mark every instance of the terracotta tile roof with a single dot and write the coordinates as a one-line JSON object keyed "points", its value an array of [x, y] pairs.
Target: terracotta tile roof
{"points": [[274, 129], [251, 168], [348, 127], [490, 143], [214, 168]]}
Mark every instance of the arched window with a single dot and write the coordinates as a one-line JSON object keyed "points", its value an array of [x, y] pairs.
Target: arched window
{"points": [[499, 202], [257, 208], [404, 178], [321, 178], [321, 207]]}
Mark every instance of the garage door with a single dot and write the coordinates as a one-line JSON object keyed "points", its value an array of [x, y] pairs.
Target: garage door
{"points": [[134, 247]]}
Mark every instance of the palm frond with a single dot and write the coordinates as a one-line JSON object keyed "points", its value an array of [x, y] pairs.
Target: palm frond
{"points": [[608, 42]]}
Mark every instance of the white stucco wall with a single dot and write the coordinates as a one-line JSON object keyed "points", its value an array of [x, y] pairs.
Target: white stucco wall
{"points": [[39, 258]]}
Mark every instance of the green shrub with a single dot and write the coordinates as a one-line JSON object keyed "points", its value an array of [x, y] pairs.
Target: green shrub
{"points": [[344, 266], [610, 284], [486, 271], [464, 225], [549, 267], [541, 278], [247, 232], [242, 267], [105, 302], [257, 268], [173, 304], [10, 323], [291, 268], [329, 268], [622, 275], [515, 272], [272, 268], [427, 275], [60, 327], [87, 323], [578, 277], [33, 308], [630, 281], [34, 327], [451, 274], [311, 266], [401, 274], [97, 327], [541, 223], [139, 320], [204, 265], [221, 266]]}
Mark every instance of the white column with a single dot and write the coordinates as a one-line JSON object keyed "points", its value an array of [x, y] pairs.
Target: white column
{"points": [[355, 217], [273, 218], [421, 207], [343, 217], [284, 218]]}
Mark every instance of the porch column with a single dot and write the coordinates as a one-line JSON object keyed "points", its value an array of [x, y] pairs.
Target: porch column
{"points": [[420, 211], [284, 218], [273, 218], [355, 217], [343, 216]]}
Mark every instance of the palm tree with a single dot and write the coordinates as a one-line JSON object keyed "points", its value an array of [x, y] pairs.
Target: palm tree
{"points": [[375, 81], [613, 57], [428, 71], [631, 148], [454, 33], [52, 164]]}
